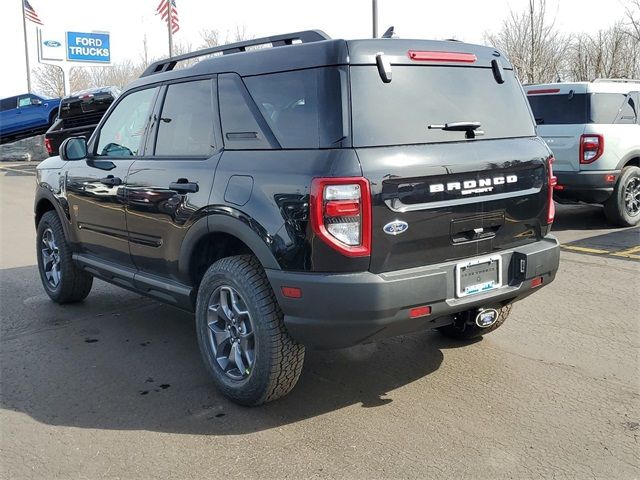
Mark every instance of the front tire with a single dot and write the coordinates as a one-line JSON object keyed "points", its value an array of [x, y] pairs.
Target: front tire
{"points": [[61, 279], [241, 333], [465, 328], [623, 208]]}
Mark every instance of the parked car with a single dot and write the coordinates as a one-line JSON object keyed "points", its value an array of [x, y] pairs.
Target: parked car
{"points": [[25, 115], [79, 115], [297, 190], [593, 129]]}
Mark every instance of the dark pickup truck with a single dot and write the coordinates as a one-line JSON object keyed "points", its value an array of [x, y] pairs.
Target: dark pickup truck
{"points": [[79, 115]]}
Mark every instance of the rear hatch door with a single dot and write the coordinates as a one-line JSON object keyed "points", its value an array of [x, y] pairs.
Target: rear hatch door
{"points": [[460, 194]]}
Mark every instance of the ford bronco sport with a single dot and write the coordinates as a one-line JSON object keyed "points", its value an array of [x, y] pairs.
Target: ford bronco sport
{"points": [[593, 129], [301, 191]]}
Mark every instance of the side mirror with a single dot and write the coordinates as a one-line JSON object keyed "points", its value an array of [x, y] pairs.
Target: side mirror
{"points": [[73, 148], [36, 101]]}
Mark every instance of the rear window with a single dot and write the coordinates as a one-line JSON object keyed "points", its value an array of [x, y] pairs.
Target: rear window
{"points": [[304, 108], [560, 109], [602, 108], [399, 112]]}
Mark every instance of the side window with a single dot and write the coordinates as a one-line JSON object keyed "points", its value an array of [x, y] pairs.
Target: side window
{"points": [[122, 133], [303, 108], [242, 125], [8, 103], [629, 111], [24, 101], [187, 122], [606, 106]]}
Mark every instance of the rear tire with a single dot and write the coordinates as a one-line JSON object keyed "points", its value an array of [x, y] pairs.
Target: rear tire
{"points": [[465, 327], [623, 207], [61, 279], [241, 333]]}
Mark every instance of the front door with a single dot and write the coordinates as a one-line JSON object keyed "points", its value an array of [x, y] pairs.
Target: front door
{"points": [[95, 187], [168, 191]]}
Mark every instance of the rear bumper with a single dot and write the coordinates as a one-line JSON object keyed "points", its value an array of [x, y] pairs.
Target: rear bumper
{"points": [[341, 310], [586, 186]]}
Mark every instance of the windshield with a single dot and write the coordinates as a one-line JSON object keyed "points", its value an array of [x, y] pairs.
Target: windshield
{"points": [[399, 112]]}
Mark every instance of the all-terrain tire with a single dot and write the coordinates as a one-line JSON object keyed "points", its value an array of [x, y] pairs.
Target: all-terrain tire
{"points": [[468, 330], [616, 207], [278, 359], [74, 284]]}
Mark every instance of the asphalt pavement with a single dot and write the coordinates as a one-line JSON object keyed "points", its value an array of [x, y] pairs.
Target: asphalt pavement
{"points": [[114, 387]]}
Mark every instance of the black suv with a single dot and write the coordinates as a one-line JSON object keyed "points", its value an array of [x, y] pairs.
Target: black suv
{"points": [[79, 115], [301, 191]]}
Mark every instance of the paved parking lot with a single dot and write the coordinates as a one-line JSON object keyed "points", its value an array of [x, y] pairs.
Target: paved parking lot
{"points": [[114, 387]]}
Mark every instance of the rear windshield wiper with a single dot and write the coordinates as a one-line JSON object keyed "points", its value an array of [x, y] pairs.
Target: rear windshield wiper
{"points": [[468, 127]]}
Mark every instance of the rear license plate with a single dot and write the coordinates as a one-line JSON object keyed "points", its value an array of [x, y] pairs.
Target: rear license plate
{"points": [[478, 276]]}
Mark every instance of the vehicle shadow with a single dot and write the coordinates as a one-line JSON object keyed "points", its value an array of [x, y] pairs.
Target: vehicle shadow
{"points": [[121, 361], [580, 217]]}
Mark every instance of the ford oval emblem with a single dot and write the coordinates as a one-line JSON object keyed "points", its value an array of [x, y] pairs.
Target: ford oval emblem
{"points": [[396, 227], [52, 43]]}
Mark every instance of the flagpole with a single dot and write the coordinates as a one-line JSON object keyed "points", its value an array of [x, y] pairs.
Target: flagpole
{"points": [[170, 28], [26, 48]]}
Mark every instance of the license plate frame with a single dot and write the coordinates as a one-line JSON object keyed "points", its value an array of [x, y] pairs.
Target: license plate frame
{"points": [[487, 283]]}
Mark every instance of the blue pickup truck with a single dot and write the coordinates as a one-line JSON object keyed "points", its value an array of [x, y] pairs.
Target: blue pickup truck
{"points": [[27, 114]]}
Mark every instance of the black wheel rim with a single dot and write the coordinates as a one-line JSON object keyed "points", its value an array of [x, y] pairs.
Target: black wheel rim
{"points": [[50, 259], [632, 196], [231, 332]]}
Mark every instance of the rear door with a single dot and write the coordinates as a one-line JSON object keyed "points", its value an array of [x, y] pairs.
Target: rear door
{"points": [[168, 190], [460, 196]]}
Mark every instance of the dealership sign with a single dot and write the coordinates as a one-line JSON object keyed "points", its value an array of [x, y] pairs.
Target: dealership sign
{"points": [[88, 47], [51, 45]]}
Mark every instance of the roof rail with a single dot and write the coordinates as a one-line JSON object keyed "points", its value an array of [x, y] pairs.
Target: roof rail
{"points": [[616, 80], [306, 36]]}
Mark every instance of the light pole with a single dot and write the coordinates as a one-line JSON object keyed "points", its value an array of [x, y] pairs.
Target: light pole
{"points": [[374, 7]]}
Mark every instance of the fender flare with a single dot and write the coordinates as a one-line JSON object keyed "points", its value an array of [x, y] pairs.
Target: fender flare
{"points": [[626, 158], [43, 193], [234, 224]]}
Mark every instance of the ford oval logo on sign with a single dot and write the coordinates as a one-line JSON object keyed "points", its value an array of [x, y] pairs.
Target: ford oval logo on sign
{"points": [[395, 228], [52, 43]]}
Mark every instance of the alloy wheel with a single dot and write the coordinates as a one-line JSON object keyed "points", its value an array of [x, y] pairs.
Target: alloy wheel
{"points": [[231, 332], [632, 196], [50, 258]]}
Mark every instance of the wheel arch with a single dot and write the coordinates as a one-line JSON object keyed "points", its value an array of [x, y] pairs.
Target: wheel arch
{"points": [[631, 159], [46, 201], [220, 235]]}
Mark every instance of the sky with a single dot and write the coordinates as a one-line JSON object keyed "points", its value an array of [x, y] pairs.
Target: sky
{"points": [[129, 21]]}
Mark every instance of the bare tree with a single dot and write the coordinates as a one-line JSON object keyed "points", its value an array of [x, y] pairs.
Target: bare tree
{"points": [[632, 11], [49, 80], [532, 44], [611, 53]]}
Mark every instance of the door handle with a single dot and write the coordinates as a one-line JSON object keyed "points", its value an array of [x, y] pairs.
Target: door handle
{"points": [[182, 185], [111, 181]]}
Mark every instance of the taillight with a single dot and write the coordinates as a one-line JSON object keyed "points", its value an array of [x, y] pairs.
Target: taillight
{"points": [[341, 214], [591, 148], [47, 145], [553, 181]]}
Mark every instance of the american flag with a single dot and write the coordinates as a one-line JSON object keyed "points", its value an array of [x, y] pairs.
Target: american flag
{"points": [[163, 11], [30, 14]]}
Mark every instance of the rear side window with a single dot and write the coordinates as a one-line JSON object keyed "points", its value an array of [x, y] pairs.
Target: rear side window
{"points": [[186, 123], [618, 108], [560, 109], [304, 109], [8, 103], [399, 112]]}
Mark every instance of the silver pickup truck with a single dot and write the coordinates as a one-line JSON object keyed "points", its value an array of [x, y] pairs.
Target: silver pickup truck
{"points": [[593, 129]]}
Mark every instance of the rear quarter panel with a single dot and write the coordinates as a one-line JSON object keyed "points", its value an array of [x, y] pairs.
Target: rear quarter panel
{"points": [[621, 142]]}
